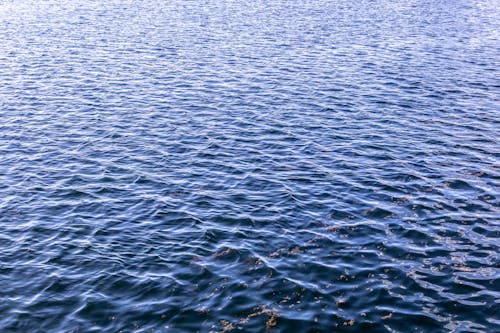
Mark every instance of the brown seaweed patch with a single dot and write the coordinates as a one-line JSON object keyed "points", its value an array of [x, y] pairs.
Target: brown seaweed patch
{"points": [[277, 253], [223, 253], [227, 326], [349, 323], [272, 316]]}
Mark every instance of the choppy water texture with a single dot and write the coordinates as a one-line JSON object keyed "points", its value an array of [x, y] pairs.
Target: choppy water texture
{"points": [[255, 166]]}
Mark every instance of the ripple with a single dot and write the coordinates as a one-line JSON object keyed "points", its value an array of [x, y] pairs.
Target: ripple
{"points": [[257, 167]]}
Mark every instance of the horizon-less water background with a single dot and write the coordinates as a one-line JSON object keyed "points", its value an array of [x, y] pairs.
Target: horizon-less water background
{"points": [[253, 166]]}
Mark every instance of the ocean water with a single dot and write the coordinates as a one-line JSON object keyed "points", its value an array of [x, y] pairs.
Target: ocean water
{"points": [[249, 166]]}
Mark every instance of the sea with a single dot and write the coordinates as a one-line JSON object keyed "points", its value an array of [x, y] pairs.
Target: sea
{"points": [[249, 166]]}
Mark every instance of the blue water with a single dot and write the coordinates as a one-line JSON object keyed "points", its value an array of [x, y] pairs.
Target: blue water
{"points": [[249, 166]]}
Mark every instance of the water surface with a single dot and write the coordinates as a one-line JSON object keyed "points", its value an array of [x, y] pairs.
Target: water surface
{"points": [[279, 166]]}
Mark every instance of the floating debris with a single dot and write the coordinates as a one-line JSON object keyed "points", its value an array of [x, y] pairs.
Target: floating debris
{"points": [[272, 321], [387, 316], [349, 323], [341, 303], [272, 316], [277, 253], [227, 326], [223, 253]]}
